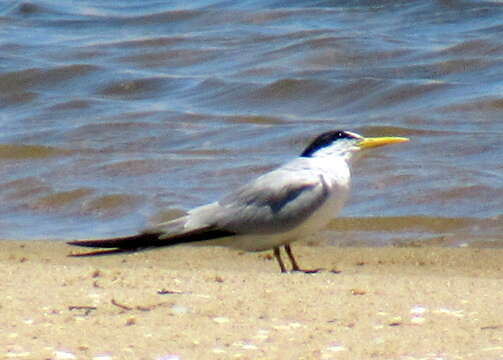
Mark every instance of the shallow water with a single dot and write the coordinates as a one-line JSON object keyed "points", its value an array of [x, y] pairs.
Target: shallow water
{"points": [[112, 114]]}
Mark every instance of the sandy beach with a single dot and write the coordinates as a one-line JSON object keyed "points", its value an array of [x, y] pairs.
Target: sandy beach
{"points": [[216, 303]]}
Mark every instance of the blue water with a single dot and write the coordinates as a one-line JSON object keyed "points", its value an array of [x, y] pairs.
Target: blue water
{"points": [[112, 113]]}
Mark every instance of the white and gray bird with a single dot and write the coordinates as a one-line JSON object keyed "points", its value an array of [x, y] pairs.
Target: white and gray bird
{"points": [[277, 208]]}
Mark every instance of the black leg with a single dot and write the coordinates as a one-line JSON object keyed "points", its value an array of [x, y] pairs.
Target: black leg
{"points": [[277, 255], [295, 266]]}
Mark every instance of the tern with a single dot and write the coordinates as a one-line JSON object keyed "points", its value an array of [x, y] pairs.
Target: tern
{"points": [[286, 204]]}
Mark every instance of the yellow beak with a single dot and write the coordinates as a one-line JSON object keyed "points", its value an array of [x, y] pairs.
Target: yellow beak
{"points": [[380, 141]]}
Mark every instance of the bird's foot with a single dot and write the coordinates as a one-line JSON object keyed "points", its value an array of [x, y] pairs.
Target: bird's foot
{"points": [[308, 271]]}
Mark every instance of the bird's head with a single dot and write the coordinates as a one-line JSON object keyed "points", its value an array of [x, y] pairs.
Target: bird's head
{"points": [[345, 144]]}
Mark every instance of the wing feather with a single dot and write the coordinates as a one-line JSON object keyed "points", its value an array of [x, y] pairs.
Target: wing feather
{"points": [[276, 202]]}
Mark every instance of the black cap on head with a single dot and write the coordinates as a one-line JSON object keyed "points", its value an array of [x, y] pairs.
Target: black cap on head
{"points": [[325, 140]]}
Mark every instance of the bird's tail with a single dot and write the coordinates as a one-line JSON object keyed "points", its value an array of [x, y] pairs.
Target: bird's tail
{"points": [[117, 245], [147, 240]]}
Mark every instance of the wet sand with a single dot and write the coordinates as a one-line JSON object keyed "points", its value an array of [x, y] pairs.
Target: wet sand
{"points": [[215, 303]]}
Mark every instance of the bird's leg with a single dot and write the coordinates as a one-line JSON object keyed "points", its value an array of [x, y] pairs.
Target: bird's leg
{"points": [[295, 266], [277, 255]]}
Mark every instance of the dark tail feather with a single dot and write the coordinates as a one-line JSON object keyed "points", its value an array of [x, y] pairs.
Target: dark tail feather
{"points": [[103, 252], [147, 240], [126, 242]]}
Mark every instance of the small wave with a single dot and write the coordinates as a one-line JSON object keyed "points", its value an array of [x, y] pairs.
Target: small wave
{"points": [[132, 89]]}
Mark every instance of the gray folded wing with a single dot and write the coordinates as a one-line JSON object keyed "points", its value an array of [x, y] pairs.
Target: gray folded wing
{"points": [[275, 202]]}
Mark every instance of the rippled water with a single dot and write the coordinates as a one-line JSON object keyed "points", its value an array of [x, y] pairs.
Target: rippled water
{"points": [[112, 113]]}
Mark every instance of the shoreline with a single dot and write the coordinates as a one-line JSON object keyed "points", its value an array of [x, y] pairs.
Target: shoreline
{"points": [[216, 303]]}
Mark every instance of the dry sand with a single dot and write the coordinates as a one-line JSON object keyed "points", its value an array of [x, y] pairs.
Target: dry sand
{"points": [[215, 303]]}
